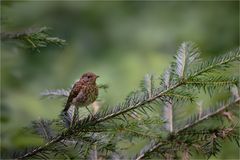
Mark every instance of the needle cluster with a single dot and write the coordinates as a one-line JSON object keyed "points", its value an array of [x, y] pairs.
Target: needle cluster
{"points": [[157, 112]]}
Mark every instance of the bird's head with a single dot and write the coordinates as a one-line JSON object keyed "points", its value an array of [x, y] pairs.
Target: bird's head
{"points": [[89, 78]]}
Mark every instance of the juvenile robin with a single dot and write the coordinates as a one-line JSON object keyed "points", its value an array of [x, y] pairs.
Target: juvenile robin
{"points": [[84, 92]]}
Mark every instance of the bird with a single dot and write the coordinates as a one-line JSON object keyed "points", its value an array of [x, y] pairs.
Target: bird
{"points": [[84, 92]]}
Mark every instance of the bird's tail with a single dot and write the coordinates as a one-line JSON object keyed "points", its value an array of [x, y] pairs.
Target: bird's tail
{"points": [[67, 106]]}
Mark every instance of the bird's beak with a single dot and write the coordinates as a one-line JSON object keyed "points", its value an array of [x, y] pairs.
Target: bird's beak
{"points": [[97, 76]]}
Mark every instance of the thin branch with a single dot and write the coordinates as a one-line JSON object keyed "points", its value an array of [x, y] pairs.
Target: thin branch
{"points": [[148, 84], [153, 98], [34, 38], [18, 34], [95, 121], [222, 60], [99, 120], [168, 115], [41, 148], [187, 54], [157, 145], [42, 127], [146, 151], [55, 93], [122, 110], [208, 116], [141, 133], [212, 82]]}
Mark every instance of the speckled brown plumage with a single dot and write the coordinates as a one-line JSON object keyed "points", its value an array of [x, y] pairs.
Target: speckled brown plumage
{"points": [[84, 91]]}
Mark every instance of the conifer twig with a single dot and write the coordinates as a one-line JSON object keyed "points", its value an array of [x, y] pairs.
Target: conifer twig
{"points": [[158, 144], [219, 110], [34, 38], [59, 138], [142, 100]]}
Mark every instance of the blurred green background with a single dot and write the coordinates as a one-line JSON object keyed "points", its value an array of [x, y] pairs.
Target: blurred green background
{"points": [[120, 41]]}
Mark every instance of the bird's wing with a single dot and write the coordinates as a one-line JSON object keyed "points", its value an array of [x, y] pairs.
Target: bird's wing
{"points": [[73, 94], [79, 98]]}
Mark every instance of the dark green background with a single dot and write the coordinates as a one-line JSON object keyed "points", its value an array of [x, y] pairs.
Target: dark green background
{"points": [[120, 41]]}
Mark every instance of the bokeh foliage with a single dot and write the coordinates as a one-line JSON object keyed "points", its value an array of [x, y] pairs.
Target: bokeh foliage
{"points": [[121, 41]]}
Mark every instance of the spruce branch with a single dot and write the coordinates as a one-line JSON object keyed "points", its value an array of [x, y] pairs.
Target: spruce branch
{"points": [[180, 96], [213, 81], [118, 110], [34, 38], [154, 146], [217, 63], [148, 84], [43, 128], [168, 107], [186, 153], [55, 93], [17, 35], [141, 100], [208, 140], [148, 149], [139, 133], [144, 128], [186, 55], [39, 149], [93, 121], [208, 115], [168, 115]]}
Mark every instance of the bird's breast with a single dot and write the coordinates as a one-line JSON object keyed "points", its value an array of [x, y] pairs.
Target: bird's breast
{"points": [[91, 94]]}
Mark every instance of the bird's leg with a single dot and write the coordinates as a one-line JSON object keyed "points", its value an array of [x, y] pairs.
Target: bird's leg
{"points": [[89, 111]]}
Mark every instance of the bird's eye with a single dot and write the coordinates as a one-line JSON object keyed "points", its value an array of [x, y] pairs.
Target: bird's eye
{"points": [[88, 77]]}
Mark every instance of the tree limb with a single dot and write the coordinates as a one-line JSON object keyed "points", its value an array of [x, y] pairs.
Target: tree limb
{"points": [[158, 144]]}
